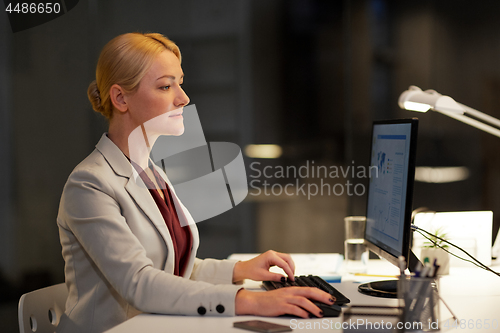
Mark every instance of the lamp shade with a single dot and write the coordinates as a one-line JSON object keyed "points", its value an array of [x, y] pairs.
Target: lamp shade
{"points": [[415, 99]]}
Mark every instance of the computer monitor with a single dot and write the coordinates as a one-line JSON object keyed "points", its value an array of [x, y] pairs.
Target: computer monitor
{"points": [[390, 193]]}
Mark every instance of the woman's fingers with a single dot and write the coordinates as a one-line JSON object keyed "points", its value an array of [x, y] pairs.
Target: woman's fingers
{"points": [[282, 260], [304, 307], [314, 294], [288, 259], [296, 311], [258, 267], [297, 301]]}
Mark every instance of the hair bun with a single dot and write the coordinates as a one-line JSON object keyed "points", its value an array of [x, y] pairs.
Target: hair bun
{"points": [[95, 97]]}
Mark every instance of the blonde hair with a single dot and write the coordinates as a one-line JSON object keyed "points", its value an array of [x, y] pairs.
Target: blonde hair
{"points": [[124, 61]]}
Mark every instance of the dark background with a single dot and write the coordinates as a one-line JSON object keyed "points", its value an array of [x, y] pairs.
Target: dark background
{"points": [[310, 75]]}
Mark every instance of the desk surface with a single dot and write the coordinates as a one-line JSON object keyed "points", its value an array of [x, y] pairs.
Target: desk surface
{"points": [[473, 295]]}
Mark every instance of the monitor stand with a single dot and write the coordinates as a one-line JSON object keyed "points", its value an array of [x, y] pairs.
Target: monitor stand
{"points": [[387, 288]]}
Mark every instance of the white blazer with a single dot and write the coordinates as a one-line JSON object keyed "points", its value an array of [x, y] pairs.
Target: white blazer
{"points": [[118, 253]]}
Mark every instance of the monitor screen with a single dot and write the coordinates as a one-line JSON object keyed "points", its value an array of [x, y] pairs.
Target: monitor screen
{"points": [[389, 206]]}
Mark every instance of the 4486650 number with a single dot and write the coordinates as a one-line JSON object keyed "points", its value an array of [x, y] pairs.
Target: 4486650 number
{"points": [[471, 324], [34, 8]]}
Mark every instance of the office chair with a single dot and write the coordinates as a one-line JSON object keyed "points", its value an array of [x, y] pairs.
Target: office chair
{"points": [[40, 310]]}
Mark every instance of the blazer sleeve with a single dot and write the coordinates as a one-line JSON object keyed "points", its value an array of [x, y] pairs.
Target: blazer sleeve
{"points": [[213, 271], [90, 212]]}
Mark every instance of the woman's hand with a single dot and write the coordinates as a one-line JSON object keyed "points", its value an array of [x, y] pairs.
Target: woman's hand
{"points": [[258, 268], [290, 300]]}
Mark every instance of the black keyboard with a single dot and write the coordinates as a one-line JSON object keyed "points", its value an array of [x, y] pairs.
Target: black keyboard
{"points": [[317, 282]]}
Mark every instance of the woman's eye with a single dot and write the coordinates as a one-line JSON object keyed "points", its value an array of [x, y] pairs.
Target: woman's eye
{"points": [[165, 87]]}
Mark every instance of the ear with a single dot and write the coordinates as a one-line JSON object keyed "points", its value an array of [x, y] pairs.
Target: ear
{"points": [[117, 96]]}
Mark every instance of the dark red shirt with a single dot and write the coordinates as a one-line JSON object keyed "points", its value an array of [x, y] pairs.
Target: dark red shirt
{"points": [[181, 236]]}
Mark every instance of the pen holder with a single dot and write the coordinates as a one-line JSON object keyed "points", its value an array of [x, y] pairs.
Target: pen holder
{"points": [[419, 299]]}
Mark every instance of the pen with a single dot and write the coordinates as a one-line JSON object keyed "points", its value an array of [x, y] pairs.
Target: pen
{"points": [[402, 265], [418, 269], [436, 270], [432, 271], [436, 267], [425, 271]]}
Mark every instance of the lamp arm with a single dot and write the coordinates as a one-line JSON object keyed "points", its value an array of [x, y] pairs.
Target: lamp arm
{"points": [[481, 116], [472, 122], [430, 99]]}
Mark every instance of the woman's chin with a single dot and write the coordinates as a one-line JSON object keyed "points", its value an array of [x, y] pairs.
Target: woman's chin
{"points": [[178, 131]]}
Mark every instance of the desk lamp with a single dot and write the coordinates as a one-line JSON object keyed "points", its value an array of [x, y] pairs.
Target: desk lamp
{"points": [[414, 99]]}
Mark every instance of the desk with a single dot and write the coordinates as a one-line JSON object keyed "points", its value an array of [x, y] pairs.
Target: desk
{"points": [[473, 295]]}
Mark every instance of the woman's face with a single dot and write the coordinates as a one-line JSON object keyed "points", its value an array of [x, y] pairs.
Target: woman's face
{"points": [[159, 98]]}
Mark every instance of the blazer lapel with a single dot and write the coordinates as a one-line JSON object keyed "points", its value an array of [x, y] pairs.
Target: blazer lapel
{"points": [[139, 192]]}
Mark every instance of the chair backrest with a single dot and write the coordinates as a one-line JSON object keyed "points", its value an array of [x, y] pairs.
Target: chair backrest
{"points": [[40, 310]]}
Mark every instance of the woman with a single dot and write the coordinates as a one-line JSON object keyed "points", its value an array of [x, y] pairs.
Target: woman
{"points": [[124, 248]]}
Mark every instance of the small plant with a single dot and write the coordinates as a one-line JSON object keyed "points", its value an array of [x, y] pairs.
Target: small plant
{"points": [[436, 242]]}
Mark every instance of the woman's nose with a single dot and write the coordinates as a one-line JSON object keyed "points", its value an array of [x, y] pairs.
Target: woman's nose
{"points": [[182, 98]]}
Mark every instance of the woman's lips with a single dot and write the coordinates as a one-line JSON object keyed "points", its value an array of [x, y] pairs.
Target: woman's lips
{"points": [[176, 115]]}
